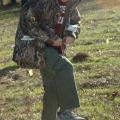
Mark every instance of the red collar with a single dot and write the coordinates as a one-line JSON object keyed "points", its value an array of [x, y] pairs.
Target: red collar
{"points": [[62, 3]]}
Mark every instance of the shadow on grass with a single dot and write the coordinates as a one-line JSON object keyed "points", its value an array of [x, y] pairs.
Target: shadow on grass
{"points": [[6, 70]]}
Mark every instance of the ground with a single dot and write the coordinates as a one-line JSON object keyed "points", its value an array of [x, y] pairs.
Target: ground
{"points": [[97, 76]]}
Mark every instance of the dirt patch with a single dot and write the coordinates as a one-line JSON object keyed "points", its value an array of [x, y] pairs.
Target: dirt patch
{"points": [[80, 57]]}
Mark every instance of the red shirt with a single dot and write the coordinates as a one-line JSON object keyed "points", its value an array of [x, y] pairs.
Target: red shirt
{"points": [[60, 18]]}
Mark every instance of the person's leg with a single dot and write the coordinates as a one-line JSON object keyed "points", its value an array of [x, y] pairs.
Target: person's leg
{"points": [[65, 85], [59, 70], [50, 105], [66, 90]]}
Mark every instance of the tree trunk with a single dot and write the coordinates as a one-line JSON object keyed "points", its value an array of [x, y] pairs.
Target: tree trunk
{"points": [[1, 2], [13, 1], [23, 2]]}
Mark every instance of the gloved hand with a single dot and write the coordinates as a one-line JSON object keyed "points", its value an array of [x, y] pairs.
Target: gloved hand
{"points": [[57, 42]]}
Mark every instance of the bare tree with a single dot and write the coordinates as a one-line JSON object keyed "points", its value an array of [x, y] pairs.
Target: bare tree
{"points": [[23, 2], [1, 2], [13, 1]]}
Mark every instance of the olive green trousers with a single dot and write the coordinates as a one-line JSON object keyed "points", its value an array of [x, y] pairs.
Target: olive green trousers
{"points": [[59, 85]]}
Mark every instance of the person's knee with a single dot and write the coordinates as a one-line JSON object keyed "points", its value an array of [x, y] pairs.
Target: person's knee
{"points": [[69, 65]]}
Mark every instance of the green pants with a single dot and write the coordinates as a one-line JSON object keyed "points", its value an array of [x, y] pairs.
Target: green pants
{"points": [[59, 85]]}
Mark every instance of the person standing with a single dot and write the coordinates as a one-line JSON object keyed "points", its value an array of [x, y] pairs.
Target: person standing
{"points": [[60, 21]]}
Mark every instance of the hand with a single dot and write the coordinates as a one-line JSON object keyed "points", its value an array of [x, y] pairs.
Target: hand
{"points": [[57, 42], [68, 39]]}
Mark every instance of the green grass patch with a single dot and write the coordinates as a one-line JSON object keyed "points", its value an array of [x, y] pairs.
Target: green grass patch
{"points": [[97, 78]]}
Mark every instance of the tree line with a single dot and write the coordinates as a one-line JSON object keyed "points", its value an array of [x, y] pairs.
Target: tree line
{"points": [[12, 2]]}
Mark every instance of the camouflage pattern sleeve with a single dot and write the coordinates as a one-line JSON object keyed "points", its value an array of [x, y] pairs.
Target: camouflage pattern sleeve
{"points": [[30, 25], [74, 25]]}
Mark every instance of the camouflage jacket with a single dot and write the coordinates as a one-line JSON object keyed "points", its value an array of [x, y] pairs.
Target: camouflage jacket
{"points": [[37, 20]]}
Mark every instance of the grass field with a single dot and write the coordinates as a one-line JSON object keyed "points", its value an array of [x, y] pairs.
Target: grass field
{"points": [[98, 77]]}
